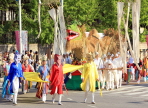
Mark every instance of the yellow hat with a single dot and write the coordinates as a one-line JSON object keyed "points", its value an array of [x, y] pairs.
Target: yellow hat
{"points": [[25, 57]]}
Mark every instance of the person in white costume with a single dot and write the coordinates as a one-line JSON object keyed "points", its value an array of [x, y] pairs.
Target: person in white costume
{"points": [[108, 67], [104, 71], [119, 70], [99, 64], [115, 71]]}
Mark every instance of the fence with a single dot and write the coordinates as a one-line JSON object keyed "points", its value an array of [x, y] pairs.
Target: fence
{"points": [[9, 38]]}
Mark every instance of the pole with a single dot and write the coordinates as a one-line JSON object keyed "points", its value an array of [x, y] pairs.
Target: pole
{"points": [[62, 1], [20, 26]]}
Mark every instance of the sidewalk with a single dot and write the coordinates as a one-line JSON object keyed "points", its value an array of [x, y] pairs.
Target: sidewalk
{"points": [[1, 80], [134, 82]]}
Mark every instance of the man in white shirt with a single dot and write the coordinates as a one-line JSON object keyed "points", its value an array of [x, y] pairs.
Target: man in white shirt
{"points": [[99, 64]]}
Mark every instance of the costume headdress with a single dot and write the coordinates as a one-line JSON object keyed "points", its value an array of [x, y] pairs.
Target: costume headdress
{"points": [[109, 54], [112, 55], [57, 59], [89, 57], [96, 53], [104, 56], [44, 58], [11, 56], [25, 57], [17, 57], [116, 55]]}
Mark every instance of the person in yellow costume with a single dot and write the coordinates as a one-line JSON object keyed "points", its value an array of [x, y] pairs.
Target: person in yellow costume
{"points": [[89, 77]]}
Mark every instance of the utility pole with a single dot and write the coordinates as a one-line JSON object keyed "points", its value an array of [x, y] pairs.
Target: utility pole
{"points": [[20, 26]]}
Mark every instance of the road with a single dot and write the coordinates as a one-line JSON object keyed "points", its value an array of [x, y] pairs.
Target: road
{"points": [[129, 96]]}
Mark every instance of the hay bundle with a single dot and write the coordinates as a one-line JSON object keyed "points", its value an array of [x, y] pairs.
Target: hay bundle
{"points": [[92, 40], [112, 33], [94, 33], [73, 44], [78, 52], [111, 41]]}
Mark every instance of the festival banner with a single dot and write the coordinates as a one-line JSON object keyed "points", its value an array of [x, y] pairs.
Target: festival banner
{"points": [[17, 37], [24, 40]]}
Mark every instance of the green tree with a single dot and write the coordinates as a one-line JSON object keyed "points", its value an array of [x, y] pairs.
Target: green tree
{"points": [[107, 14], [99, 14], [144, 19], [82, 11], [30, 22]]}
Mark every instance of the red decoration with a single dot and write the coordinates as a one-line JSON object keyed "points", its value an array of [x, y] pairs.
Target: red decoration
{"points": [[71, 35]]}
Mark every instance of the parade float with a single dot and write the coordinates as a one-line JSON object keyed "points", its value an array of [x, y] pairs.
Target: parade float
{"points": [[80, 42]]}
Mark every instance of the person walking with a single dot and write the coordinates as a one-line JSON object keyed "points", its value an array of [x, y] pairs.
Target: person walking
{"points": [[89, 77], [15, 76], [57, 79]]}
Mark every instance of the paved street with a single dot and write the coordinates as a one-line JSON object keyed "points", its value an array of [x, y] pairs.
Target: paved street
{"points": [[129, 96]]}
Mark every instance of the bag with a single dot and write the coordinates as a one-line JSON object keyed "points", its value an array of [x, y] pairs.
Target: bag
{"points": [[39, 91]]}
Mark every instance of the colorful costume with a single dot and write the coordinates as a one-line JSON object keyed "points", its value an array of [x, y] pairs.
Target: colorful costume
{"points": [[130, 66], [6, 84], [57, 78], [89, 77], [14, 76], [44, 72], [145, 63], [26, 85]]}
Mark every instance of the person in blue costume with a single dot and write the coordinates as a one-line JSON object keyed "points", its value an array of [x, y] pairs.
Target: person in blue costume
{"points": [[15, 76], [44, 72], [6, 84]]}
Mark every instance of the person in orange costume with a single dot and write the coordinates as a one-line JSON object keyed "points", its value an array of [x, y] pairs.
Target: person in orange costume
{"points": [[26, 67], [56, 78]]}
